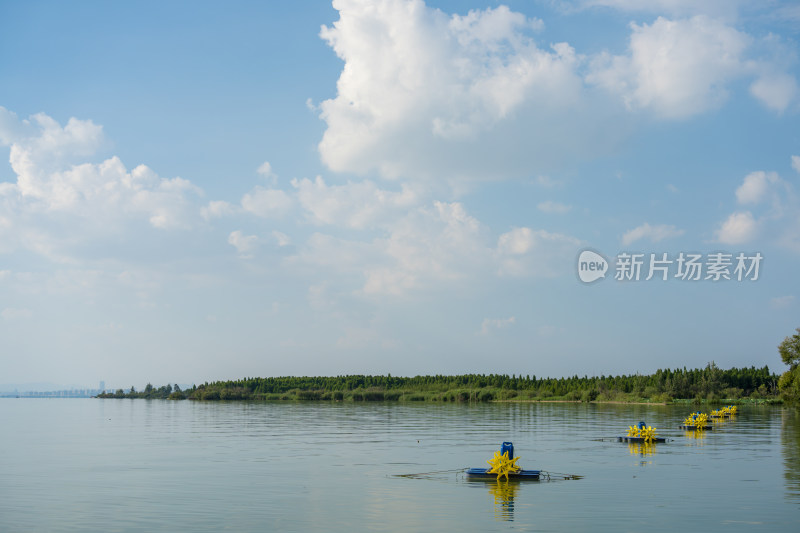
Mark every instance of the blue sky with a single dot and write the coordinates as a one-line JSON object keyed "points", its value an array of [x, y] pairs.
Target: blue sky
{"points": [[195, 191]]}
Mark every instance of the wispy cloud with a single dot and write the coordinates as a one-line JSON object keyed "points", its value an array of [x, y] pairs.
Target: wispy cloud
{"points": [[652, 233], [738, 228], [244, 244], [782, 302], [493, 324], [553, 207]]}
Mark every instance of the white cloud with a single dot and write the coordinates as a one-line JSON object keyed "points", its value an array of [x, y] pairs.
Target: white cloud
{"points": [[739, 228], [518, 241], [553, 207], [652, 233], [490, 324], [386, 280], [265, 169], [48, 244], [447, 89], [425, 95], [318, 297], [430, 245], [755, 186], [676, 68], [267, 203], [672, 188], [547, 182], [11, 128], [353, 205], [776, 91], [281, 238], [218, 209], [244, 244], [40, 146], [433, 247], [528, 252], [796, 163], [12, 313], [782, 302], [775, 211], [60, 201], [334, 254]]}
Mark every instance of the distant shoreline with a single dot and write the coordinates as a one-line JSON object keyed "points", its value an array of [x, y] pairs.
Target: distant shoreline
{"points": [[710, 384]]}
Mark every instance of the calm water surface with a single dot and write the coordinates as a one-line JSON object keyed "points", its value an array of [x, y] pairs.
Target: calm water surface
{"points": [[139, 465]]}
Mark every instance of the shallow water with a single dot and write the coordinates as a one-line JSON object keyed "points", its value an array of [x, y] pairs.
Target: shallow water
{"points": [[139, 465]]}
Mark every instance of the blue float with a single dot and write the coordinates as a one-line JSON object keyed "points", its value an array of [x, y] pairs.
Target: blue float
{"points": [[483, 473]]}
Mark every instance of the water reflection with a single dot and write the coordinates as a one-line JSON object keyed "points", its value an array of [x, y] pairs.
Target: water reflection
{"points": [[697, 434], [504, 493], [643, 449], [790, 440]]}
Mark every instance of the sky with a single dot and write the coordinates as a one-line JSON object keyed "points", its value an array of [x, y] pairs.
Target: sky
{"points": [[199, 191]]}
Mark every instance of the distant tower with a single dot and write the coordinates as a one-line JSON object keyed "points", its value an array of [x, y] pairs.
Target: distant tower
{"points": [[102, 386]]}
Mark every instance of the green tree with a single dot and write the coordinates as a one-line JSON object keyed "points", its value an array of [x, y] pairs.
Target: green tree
{"points": [[789, 383], [790, 349]]}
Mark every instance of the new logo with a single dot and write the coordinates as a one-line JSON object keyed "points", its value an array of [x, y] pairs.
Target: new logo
{"points": [[591, 266]]}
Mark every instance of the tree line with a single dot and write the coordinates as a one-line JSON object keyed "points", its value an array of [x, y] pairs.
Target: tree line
{"points": [[710, 383]]}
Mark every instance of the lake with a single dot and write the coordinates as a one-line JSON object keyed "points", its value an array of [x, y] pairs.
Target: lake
{"points": [[150, 465]]}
